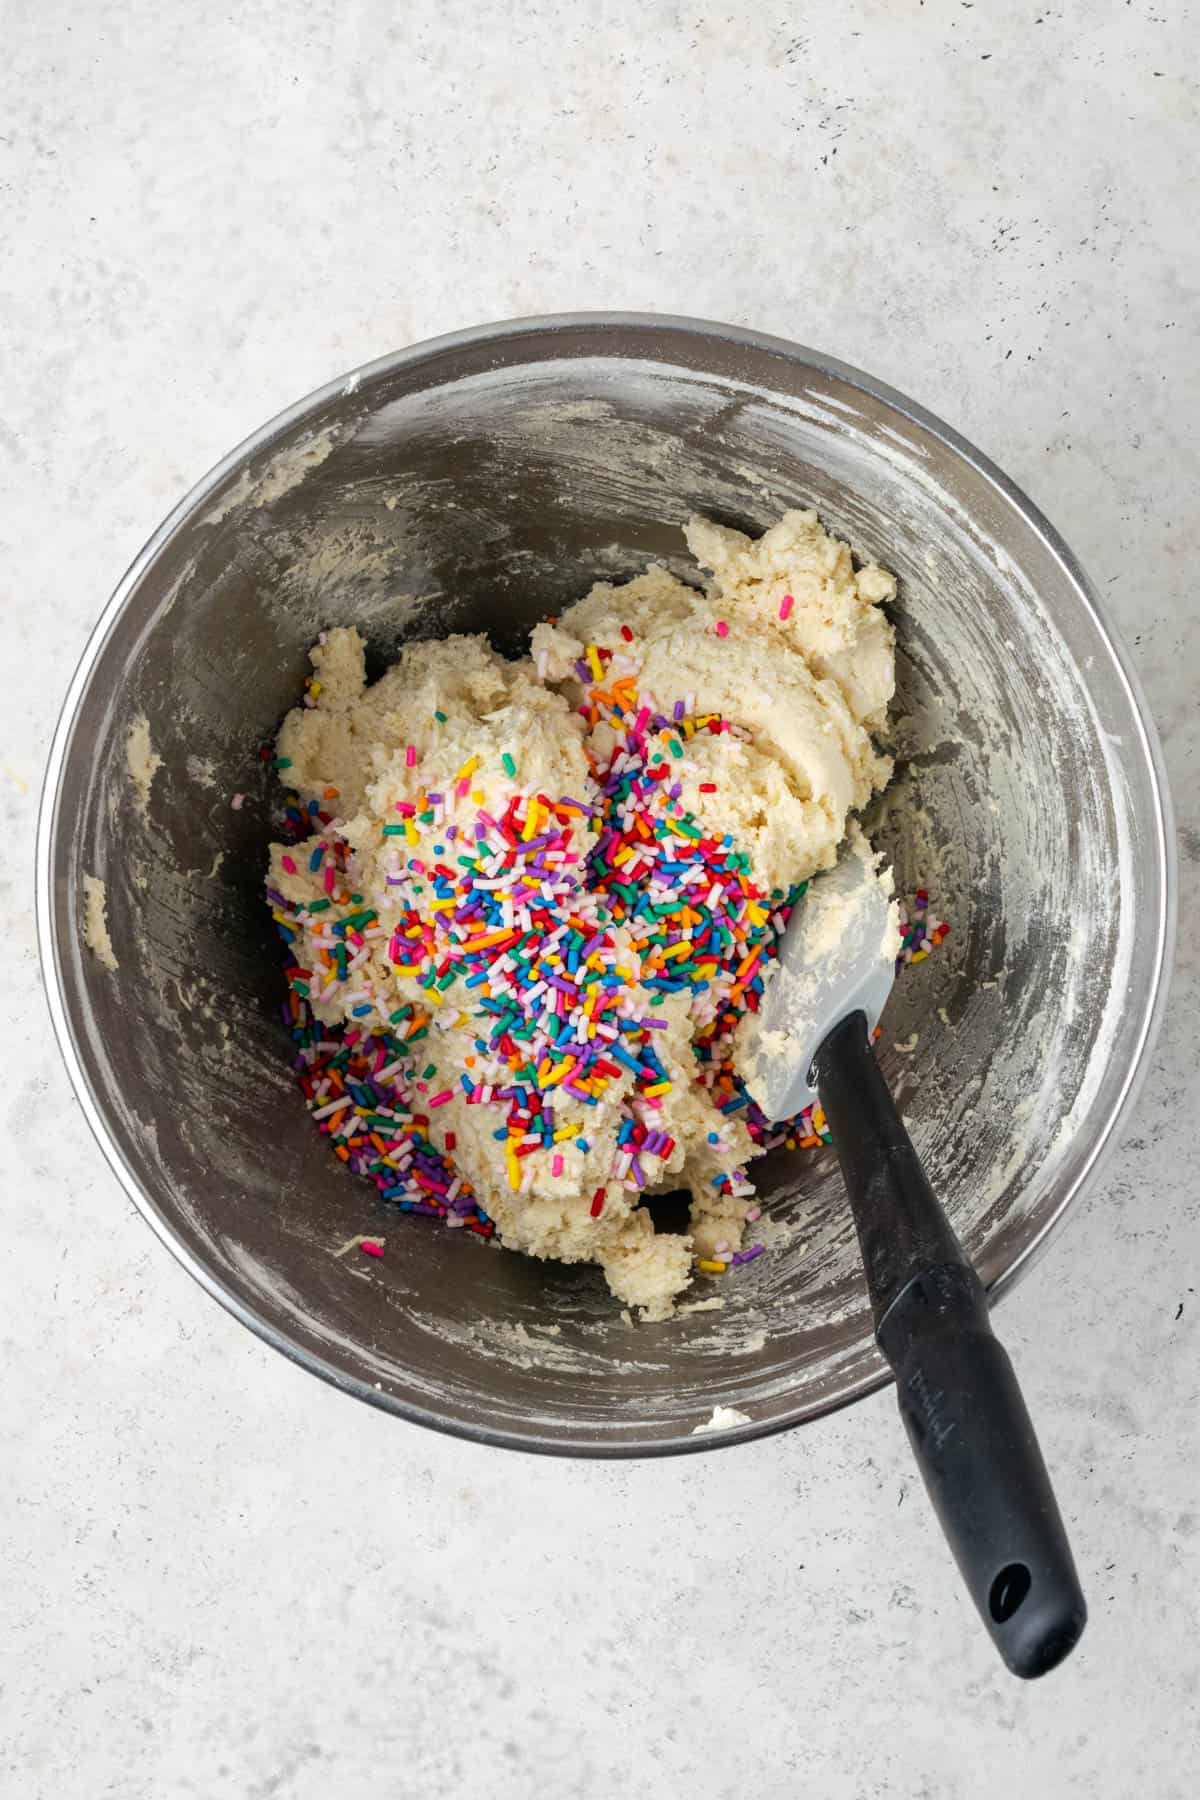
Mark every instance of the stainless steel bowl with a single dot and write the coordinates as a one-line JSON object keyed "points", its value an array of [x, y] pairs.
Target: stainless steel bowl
{"points": [[476, 483]]}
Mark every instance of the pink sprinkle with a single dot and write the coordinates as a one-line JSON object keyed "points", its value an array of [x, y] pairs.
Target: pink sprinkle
{"points": [[410, 756], [785, 606], [722, 628], [328, 877], [441, 1099], [288, 864], [464, 787], [556, 1167], [370, 1247], [236, 802]]}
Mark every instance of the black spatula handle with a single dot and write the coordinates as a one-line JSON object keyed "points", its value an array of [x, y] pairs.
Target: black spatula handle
{"points": [[963, 1411]]}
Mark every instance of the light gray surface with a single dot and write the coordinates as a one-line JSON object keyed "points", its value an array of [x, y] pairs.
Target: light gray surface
{"points": [[220, 1578]]}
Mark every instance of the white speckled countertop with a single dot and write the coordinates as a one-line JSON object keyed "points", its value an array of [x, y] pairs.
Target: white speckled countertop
{"points": [[223, 1580]]}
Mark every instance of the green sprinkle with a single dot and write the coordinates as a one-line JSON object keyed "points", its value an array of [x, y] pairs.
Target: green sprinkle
{"points": [[282, 762], [393, 831], [319, 905], [440, 717], [676, 748], [510, 767], [356, 920], [428, 1073]]}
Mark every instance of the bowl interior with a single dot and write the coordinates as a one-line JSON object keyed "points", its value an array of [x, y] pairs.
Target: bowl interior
{"points": [[476, 485]]}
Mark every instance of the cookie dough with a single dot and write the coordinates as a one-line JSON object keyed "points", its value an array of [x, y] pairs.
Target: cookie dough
{"points": [[572, 869]]}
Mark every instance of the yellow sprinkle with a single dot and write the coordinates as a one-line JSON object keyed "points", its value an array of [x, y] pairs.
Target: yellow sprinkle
{"points": [[477, 796], [314, 687], [468, 768], [411, 834], [920, 955], [712, 1268], [514, 1172], [597, 667], [564, 1132], [660, 1087]]}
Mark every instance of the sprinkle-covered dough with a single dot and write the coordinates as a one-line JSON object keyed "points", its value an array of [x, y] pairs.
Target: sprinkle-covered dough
{"points": [[539, 895]]}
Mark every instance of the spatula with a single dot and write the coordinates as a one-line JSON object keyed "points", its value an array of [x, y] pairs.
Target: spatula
{"points": [[958, 1396]]}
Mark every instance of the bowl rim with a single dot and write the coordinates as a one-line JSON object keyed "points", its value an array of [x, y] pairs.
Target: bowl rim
{"points": [[497, 335]]}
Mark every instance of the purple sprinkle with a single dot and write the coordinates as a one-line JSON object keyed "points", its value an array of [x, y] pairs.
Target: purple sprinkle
{"points": [[678, 714]]}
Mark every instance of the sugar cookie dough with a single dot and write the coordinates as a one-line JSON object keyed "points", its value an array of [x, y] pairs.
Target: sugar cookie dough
{"points": [[529, 901]]}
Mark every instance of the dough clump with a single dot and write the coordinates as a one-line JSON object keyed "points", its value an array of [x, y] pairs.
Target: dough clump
{"points": [[572, 869]]}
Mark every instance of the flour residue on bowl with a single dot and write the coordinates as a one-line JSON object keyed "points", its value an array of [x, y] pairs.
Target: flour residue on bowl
{"points": [[285, 471]]}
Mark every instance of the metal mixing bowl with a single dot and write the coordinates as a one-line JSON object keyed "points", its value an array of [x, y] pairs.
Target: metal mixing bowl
{"points": [[474, 484]]}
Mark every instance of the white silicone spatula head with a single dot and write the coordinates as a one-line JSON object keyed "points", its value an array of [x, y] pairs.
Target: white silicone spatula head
{"points": [[838, 956]]}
